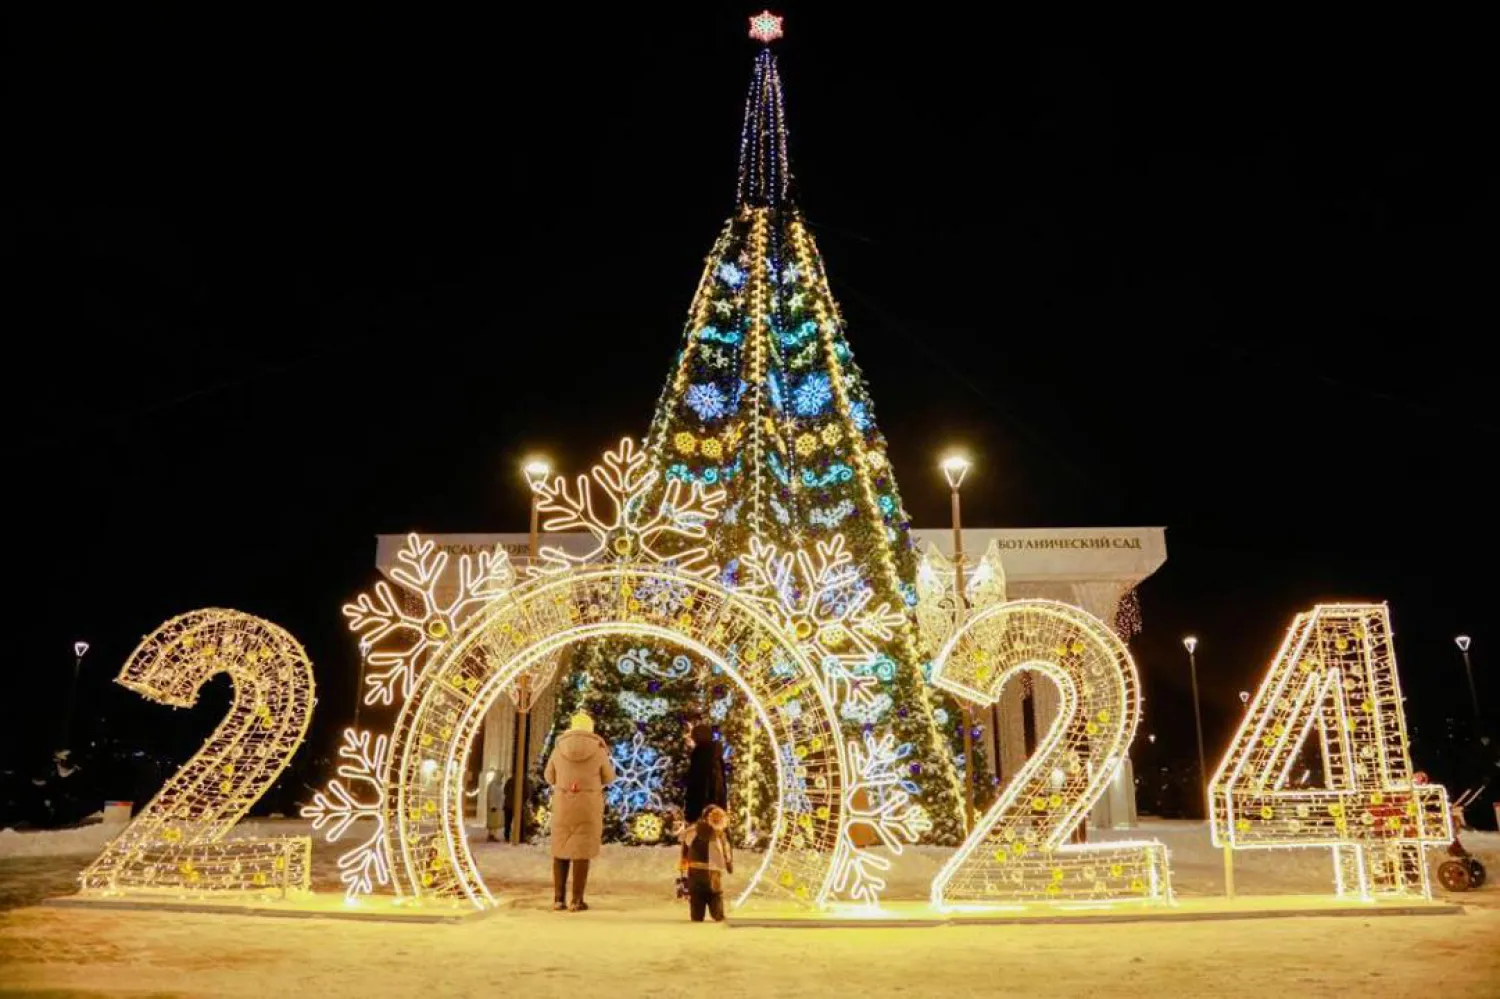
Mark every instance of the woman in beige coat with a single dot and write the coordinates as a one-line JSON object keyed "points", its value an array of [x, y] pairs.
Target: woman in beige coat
{"points": [[577, 770]]}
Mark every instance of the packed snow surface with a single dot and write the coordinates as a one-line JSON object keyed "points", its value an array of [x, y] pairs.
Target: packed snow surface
{"points": [[638, 941]]}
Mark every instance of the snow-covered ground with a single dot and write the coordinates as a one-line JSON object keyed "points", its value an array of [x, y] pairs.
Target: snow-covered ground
{"points": [[637, 941]]}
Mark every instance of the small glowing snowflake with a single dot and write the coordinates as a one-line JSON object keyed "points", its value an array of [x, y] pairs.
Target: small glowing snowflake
{"points": [[812, 395], [706, 399], [639, 773]]}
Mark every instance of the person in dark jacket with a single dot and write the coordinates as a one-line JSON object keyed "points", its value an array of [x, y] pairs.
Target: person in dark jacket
{"points": [[706, 784]]}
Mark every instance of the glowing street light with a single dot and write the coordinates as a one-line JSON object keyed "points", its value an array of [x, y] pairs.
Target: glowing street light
{"points": [[955, 466], [80, 649], [1463, 642], [1191, 644], [536, 470]]}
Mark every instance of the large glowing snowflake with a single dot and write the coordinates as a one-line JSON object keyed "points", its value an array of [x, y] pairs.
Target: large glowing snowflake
{"points": [[380, 616], [365, 865], [821, 600], [640, 771], [629, 532]]}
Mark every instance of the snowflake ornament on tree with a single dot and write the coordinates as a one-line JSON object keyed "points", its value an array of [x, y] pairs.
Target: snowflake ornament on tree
{"points": [[824, 604], [640, 771]]}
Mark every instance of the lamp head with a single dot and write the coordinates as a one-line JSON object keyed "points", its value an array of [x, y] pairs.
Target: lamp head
{"points": [[80, 649], [955, 467], [536, 470], [1191, 644], [1463, 642]]}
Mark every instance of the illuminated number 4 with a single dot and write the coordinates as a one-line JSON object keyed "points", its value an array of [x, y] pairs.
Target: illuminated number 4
{"points": [[1020, 851], [1322, 760], [177, 844]]}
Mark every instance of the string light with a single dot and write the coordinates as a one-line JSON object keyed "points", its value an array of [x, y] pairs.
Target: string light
{"points": [[1333, 686], [654, 594], [177, 844], [1019, 851]]}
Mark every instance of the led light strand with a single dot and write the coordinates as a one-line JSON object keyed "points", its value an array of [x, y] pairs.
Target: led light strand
{"points": [[177, 844], [1019, 851], [1334, 677]]}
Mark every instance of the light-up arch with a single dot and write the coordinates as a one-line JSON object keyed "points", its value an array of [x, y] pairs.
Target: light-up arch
{"points": [[432, 734]]}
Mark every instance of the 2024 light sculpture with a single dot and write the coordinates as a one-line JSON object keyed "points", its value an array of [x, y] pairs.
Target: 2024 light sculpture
{"points": [[1332, 685], [1019, 851], [178, 844], [648, 577]]}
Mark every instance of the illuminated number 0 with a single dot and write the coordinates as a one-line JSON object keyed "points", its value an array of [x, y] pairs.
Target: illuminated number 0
{"points": [[1321, 759], [176, 844], [1019, 851]]}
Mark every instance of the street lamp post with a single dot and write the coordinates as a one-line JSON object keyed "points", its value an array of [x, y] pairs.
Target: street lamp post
{"points": [[80, 649], [955, 467], [536, 471], [1191, 644], [1463, 642]]}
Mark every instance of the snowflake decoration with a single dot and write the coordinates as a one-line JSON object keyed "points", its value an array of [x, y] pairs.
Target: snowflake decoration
{"points": [[859, 415], [641, 709], [730, 274], [639, 773], [640, 661], [629, 533], [879, 798], [812, 395], [706, 399], [832, 516], [765, 27], [420, 571], [666, 597], [338, 809], [821, 601], [937, 615]]}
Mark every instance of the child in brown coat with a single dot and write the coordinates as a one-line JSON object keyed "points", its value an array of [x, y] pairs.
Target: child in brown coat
{"points": [[708, 856]]}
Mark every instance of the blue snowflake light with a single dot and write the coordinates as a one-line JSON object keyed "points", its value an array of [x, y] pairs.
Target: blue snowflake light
{"points": [[859, 413], [730, 274], [639, 773], [706, 399], [813, 395]]}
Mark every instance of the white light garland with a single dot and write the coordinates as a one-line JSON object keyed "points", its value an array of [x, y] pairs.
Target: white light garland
{"points": [[1019, 851], [1333, 687], [177, 844]]}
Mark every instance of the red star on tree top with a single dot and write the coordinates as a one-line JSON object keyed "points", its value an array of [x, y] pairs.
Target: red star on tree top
{"points": [[765, 27]]}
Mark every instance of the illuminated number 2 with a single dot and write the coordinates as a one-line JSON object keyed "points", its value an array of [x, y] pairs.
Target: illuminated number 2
{"points": [[1019, 851], [176, 844], [1321, 759]]}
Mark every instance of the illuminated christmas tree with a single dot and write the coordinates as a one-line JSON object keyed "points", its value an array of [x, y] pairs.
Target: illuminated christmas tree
{"points": [[766, 401]]}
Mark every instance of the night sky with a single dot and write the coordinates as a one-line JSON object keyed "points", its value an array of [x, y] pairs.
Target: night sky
{"points": [[279, 285]]}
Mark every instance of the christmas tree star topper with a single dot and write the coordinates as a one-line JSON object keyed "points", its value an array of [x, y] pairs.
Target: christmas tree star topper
{"points": [[765, 27]]}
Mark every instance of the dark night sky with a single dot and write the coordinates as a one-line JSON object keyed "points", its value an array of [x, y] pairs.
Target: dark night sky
{"points": [[278, 286]]}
